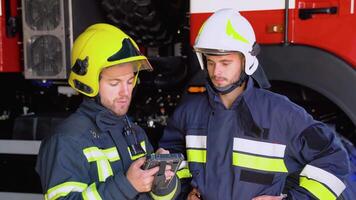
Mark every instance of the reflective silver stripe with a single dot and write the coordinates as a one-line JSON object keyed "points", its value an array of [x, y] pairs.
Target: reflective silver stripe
{"points": [[112, 154], [104, 169], [93, 154], [102, 158], [91, 193], [259, 148], [64, 189], [143, 145], [183, 164], [195, 141], [322, 176]]}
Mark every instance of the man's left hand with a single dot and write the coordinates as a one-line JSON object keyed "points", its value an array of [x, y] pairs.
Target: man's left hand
{"points": [[162, 151]]}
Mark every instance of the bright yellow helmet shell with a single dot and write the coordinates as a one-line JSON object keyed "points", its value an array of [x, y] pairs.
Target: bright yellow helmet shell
{"points": [[98, 47]]}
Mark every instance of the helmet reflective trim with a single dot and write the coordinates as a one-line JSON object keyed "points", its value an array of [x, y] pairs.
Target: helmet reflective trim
{"points": [[82, 87], [128, 50], [230, 31], [80, 66]]}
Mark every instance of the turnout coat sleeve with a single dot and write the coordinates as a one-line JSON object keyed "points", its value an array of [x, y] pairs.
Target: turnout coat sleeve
{"points": [[185, 115], [322, 158], [173, 138], [64, 173]]}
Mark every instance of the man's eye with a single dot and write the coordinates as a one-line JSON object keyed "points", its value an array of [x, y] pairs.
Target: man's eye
{"points": [[131, 81], [113, 83]]}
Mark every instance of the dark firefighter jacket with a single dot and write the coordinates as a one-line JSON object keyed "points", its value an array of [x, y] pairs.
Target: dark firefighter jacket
{"points": [[88, 156], [249, 150]]}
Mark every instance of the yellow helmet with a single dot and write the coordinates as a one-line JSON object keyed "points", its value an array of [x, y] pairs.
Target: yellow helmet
{"points": [[98, 47]]}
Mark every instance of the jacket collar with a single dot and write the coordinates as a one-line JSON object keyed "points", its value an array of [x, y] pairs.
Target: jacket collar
{"points": [[215, 100], [103, 117]]}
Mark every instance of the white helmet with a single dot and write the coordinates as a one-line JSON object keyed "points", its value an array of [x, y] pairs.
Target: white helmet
{"points": [[224, 32]]}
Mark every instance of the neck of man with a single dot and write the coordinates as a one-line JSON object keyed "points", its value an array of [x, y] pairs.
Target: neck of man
{"points": [[229, 98]]}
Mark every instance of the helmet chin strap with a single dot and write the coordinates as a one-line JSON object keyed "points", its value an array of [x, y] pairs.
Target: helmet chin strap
{"points": [[229, 88]]}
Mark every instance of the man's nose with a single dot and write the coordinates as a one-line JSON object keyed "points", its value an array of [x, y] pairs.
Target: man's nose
{"points": [[124, 89], [217, 70]]}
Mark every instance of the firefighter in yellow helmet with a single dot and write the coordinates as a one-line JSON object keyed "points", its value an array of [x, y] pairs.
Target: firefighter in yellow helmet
{"points": [[97, 153]]}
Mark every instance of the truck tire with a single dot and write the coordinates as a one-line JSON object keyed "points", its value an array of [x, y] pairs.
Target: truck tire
{"points": [[151, 23]]}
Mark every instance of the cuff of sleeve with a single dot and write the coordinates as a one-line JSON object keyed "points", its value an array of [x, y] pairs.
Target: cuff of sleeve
{"points": [[171, 192], [125, 186]]}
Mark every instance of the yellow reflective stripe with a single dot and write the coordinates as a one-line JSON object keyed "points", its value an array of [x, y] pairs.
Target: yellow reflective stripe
{"points": [[184, 173], [324, 177], [259, 148], [195, 141], [91, 193], [104, 169], [137, 156], [316, 188], [230, 31], [143, 145], [64, 189], [93, 154], [196, 155], [258, 162], [102, 158], [111, 154], [165, 197]]}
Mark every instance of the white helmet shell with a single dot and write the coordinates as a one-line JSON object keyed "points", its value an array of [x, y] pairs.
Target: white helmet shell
{"points": [[224, 32]]}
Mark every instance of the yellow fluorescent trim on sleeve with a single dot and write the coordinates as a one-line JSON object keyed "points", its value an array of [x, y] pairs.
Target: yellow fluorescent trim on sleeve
{"points": [[316, 188], [104, 169], [324, 177], [102, 158], [64, 189], [91, 193], [195, 155], [184, 173], [258, 162], [112, 154]]}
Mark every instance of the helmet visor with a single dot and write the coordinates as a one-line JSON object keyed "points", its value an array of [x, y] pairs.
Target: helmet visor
{"points": [[217, 52], [141, 65], [137, 65]]}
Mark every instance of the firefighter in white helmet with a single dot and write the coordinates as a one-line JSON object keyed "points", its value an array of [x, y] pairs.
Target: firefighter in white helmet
{"points": [[242, 141], [97, 153]]}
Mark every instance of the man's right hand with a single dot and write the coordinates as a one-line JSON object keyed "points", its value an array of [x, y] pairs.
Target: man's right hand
{"points": [[193, 195], [141, 179]]}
